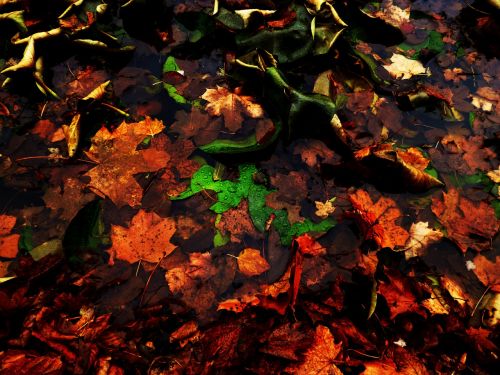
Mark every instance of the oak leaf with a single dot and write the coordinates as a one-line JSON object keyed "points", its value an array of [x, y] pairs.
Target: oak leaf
{"points": [[119, 160], [319, 359], [147, 238], [231, 106], [468, 225], [377, 220], [251, 263], [8, 242]]}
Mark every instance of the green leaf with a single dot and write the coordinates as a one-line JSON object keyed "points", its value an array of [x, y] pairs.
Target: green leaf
{"points": [[230, 194], [26, 239], [433, 43], [172, 92], [47, 248], [496, 207], [170, 65]]}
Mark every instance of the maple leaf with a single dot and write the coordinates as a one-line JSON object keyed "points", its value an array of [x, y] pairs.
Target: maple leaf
{"points": [[307, 245], [488, 272], [377, 220], [288, 341], [463, 155], [147, 238], [319, 359], [251, 263], [8, 242], [421, 236], [66, 200], [468, 225], [402, 67], [399, 297], [325, 209], [494, 175], [118, 161], [231, 106], [393, 14]]}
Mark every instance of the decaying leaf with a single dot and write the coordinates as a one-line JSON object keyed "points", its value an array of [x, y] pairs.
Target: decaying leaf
{"points": [[377, 220], [72, 134], [147, 238], [488, 272], [469, 225], [392, 167], [231, 106], [119, 160], [402, 67], [8, 242], [319, 359], [251, 263]]}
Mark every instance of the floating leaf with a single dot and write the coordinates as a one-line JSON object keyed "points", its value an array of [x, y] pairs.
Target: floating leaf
{"points": [[147, 238]]}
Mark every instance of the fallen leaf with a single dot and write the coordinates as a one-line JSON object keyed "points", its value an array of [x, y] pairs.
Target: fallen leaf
{"points": [[26, 362], [402, 67], [399, 296], [231, 106], [147, 238], [251, 263], [8, 242], [377, 221], [119, 160], [421, 236], [325, 209], [494, 175], [307, 245], [287, 341], [488, 272], [319, 359], [468, 225]]}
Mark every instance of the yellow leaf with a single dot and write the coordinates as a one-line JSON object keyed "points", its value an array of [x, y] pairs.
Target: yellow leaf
{"points": [[404, 68], [323, 210]]}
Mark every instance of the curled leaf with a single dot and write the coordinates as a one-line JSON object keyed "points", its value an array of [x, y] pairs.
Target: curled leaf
{"points": [[28, 60]]}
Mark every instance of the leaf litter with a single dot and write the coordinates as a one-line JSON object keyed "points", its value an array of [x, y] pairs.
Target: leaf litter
{"points": [[303, 187]]}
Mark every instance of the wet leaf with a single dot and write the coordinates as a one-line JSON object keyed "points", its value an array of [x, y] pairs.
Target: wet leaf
{"points": [[320, 357], [8, 241], [147, 238], [377, 220], [403, 68], [231, 106], [251, 263], [469, 225]]}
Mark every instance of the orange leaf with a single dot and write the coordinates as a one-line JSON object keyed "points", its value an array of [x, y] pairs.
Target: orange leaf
{"points": [[8, 242], [488, 272], [231, 106], [307, 245], [119, 160], [251, 263], [147, 238], [377, 221], [319, 359], [468, 225]]}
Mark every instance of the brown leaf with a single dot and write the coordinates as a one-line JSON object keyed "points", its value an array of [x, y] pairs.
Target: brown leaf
{"points": [[288, 341], [377, 220], [251, 263], [147, 238], [118, 161], [319, 359], [468, 225], [231, 106], [8, 242], [307, 245], [488, 272]]}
